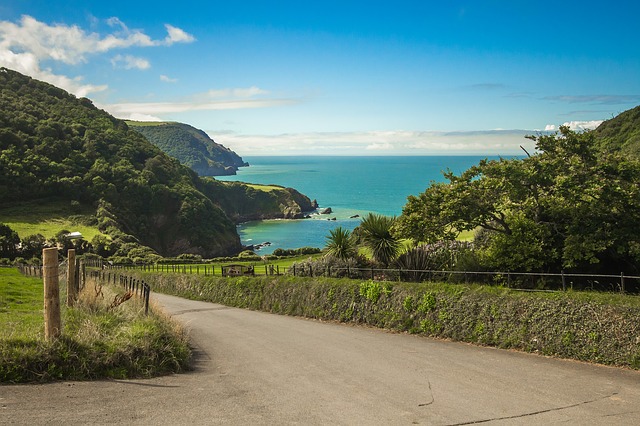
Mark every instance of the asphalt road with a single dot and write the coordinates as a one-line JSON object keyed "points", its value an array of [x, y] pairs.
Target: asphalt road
{"points": [[257, 368]]}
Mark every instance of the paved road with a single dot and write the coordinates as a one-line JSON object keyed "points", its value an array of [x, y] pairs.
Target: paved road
{"points": [[257, 368]]}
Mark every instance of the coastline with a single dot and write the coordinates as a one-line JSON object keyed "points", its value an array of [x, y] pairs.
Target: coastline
{"points": [[349, 185]]}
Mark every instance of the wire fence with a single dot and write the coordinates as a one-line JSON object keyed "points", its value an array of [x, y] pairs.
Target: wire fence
{"points": [[529, 281], [135, 286]]}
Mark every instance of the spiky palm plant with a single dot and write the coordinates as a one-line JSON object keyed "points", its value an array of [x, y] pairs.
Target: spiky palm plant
{"points": [[375, 231], [340, 244]]}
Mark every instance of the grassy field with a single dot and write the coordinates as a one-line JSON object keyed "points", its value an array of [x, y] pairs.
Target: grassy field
{"points": [[98, 341], [21, 304], [48, 218], [259, 187]]}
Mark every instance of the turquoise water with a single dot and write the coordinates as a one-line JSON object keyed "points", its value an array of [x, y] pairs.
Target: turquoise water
{"points": [[349, 185]]}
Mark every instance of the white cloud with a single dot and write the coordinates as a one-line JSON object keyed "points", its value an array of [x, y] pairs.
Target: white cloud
{"points": [[168, 79], [27, 63], [575, 125], [385, 146], [141, 117], [130, 62], [247, 92], [27, 44], [176, 35], [506, 142], [213, 100], [125, 109]]}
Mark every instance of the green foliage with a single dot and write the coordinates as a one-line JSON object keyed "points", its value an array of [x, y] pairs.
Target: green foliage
{"points": [[327, 266], [340, 244], [9, 241], [621, 133], [372, 290], [375, 232], [244, 202], [568, 206], [569, 325], [57, 146], [295, 252], [427, 303], [248, 255], [440, 256], [191, 146]]}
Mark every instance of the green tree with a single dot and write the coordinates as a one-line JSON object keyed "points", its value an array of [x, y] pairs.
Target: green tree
{"points": [[568, 206], [32, 246], [9, 241]]}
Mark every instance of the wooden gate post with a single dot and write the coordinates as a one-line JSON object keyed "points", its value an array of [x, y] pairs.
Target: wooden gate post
{"points": [[72, 293], [51, 294]]}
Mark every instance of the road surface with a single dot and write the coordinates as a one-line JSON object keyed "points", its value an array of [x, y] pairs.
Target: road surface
{"points": [[255, 368]]}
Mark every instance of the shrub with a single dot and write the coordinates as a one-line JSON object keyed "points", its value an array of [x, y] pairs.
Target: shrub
{"points": [[296, 252], [248, 255], [328, 266]]}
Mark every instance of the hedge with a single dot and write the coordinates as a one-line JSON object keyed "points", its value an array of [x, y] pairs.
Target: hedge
{"points": [[594, 327]]}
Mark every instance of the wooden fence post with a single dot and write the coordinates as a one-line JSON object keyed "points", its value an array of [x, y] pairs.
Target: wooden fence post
{"points": [[72, 293], [51, 294]]}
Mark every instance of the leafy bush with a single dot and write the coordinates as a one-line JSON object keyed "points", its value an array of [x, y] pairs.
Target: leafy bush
{"points": [[328, 266], [249, 255], [295, 252], [440, 256], [190, 257]]}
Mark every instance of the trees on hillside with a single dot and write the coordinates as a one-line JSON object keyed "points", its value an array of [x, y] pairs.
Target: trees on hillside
{"points": [[55, 146], [568, 206]]}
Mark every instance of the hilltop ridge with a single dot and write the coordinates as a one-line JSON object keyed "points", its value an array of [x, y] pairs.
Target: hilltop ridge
{"points": [[191, 146]]}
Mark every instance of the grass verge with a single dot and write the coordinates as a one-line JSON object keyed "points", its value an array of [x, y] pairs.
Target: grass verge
{"points": [[594, 327], [97, 341]]}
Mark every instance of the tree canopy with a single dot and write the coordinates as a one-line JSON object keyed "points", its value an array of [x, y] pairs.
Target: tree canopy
{"points": [[570, 205]]}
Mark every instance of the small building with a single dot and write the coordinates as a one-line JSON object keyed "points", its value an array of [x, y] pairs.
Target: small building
{"points": [[237, 270]]}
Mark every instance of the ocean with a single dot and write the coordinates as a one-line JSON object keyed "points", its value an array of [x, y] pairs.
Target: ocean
{"points": [[349, 185]]}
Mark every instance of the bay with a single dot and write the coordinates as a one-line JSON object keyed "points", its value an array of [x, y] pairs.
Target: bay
{"points": [[351, 186]]}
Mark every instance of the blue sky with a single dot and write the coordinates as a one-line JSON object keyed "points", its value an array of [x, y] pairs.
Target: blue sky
{"points": [[339, 77]]}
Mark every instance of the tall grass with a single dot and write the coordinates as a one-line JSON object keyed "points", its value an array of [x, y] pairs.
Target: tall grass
{"points": [[97, 341]]}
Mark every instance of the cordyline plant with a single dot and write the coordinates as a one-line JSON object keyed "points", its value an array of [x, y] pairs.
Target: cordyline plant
{"points": [[375, 232]]}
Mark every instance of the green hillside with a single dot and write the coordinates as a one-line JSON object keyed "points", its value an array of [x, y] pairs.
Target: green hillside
{"points": [[244, 202], [58, 148], [622, 132], [67, 165], [191, 146]]}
